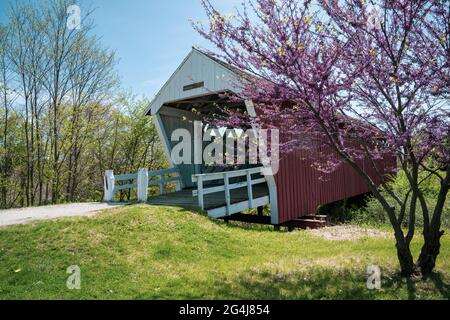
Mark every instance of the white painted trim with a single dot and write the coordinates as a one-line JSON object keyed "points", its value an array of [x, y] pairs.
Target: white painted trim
{"points": [[154, 108], [273, 194], [236, 207], [163, 137], [232, 186], [231, 174], [198, 145], [166, 146], [229, 208], [250, 108], [271, 183]]}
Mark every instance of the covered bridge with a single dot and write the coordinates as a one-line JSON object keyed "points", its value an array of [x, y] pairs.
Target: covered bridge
{"points": [[192, 93]]}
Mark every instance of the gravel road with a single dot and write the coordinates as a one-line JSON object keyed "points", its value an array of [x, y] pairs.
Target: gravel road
{"points": [[25, 215]]}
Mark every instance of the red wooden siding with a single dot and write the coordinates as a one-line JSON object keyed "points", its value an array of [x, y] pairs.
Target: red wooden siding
{"points": [[301, 190]]}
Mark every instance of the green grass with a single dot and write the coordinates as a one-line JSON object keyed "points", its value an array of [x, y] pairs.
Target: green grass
{"points": [[145, 252]]}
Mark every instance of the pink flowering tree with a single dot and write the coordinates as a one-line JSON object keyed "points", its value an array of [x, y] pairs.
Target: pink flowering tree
{"points": [[368, 79]]}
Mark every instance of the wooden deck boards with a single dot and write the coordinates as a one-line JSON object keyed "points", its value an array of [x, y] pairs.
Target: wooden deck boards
{"points": [[184, 198]]}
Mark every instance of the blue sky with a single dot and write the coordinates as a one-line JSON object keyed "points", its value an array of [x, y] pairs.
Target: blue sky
{"points": [[151, 37]]}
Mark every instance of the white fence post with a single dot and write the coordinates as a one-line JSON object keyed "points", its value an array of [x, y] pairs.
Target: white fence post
{"points": [[249, 190], [227, 192], [109, 185], [142, 185], [200, 192]]}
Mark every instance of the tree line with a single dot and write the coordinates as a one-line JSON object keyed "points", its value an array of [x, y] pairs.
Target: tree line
{"points": [[63, 118]]}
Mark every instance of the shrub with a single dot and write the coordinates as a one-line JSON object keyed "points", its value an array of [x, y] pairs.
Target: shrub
{"points": [[373, 213]]}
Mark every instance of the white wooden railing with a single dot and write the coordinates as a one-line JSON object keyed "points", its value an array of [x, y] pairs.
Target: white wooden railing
{"points": [[201, 191], [142, 180]]}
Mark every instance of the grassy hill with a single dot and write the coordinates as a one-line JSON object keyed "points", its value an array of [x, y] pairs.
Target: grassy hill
{"points": [[145, 252]]}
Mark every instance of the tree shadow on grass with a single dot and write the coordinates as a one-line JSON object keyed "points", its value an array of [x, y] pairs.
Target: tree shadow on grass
{"points": [[433, 285], [411, 289], [314, 284], [439, 283], [323, 283]]}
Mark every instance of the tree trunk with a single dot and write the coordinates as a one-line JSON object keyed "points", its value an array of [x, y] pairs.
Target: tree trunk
{"points": [[430, 251], [28, 157], [405, 258], [432, 235], [69, 178], [55, 182]]}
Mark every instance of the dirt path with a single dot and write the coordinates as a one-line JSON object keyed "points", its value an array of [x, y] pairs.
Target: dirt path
{"points": [[348, 232], [25, 215]]}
